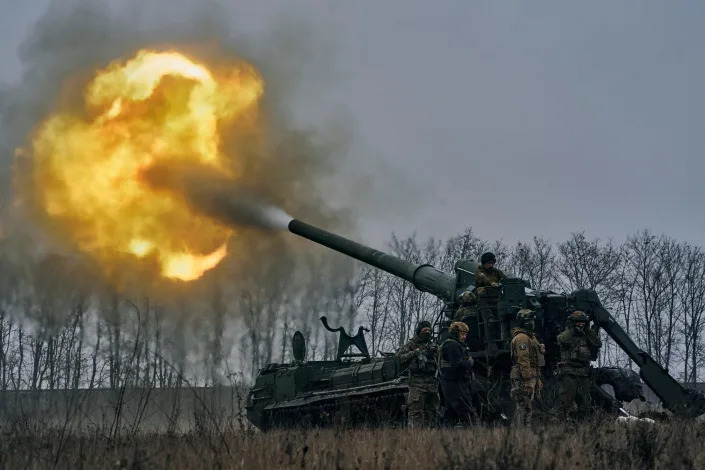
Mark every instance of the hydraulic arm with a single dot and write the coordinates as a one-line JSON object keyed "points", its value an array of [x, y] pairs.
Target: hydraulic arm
{"points": [[674, 396]]}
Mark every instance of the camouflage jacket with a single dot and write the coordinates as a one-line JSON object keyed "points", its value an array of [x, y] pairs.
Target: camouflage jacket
{"points": [[465, 311], [577, 350], [484, 278], [419, 356], [526, 354]]}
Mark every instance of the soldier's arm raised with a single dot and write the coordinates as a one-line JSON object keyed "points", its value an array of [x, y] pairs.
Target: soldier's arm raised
{"points": [[593, 338], [564, 339]]}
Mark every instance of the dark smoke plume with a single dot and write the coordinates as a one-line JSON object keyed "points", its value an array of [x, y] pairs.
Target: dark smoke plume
{"points": [[75, 37], [219, 197]]}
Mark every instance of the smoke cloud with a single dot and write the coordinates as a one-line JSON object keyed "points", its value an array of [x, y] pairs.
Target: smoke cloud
{"points": [[219, 197], [74, 38], [285, 171]]}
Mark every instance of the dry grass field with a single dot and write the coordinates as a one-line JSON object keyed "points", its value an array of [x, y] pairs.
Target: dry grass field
{"points": [[673, 445]]}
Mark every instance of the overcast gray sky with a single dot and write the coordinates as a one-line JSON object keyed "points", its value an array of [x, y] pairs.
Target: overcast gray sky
{"points": [[518, 118]]}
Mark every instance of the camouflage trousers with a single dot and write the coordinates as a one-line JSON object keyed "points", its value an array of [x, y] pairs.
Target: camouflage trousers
{"points": [[523, 392], [423, 401], [574, 390]]}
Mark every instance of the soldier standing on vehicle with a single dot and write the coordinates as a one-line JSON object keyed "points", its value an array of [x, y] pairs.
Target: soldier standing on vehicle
{"points": [[419, 355], [456, 374], [527, 359], [468, 306], [468, 313], [578, 345], [488, 281], [486, 275]]}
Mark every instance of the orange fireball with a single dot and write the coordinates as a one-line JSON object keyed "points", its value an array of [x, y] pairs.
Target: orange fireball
{"points": [[156, 108]]}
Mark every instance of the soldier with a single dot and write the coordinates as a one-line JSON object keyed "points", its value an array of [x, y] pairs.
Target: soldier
{"points": [[456, 373], [468, 305], [488, 281], [527, 359], [419, 355], [486, 275], [578, 345], [467, 313]]}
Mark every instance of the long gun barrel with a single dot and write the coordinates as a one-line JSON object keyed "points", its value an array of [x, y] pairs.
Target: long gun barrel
{"points": [[424, 277]]}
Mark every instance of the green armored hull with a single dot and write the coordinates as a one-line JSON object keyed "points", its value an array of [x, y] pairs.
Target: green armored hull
{"points": [[320, 393]]}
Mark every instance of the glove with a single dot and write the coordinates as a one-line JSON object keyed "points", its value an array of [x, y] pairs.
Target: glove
{"points": [[542, 348], [496, 284]]}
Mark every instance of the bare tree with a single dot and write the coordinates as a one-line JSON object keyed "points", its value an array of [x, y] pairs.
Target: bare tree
{"points": [[624, 305], [310, 304], [658, 268], [463, 246], [671, 258], [401, 292], [587, 264], [692, 298], [375, 303], [534, 262]]}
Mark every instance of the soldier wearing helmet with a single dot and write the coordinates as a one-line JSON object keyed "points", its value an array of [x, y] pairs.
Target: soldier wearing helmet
{"points": [[456, 374], [488, 281], [527, 359], [467, 313], [578, 345], [468, 304], [419, 356]]}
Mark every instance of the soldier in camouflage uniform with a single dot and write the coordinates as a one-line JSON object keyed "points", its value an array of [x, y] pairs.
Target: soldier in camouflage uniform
{"points": [[488, 281], [486, 275], [467, 313], [419, 356], [468, 306], [579, 345], [527, 360]]}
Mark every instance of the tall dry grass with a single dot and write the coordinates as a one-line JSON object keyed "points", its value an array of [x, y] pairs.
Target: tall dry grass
{"points": [[605, 444]]}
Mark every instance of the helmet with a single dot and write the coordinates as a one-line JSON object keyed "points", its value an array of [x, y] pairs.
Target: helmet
{"points": [[578, 316], [421, 325], [525, 315], [457, 326], [467, 297], [487, 257]]}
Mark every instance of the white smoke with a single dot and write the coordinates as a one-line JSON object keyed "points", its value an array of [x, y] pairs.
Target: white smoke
{"points": [[276, 218]]}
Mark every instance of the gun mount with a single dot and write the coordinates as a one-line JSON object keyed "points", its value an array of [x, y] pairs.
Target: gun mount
{"points": [[673, 395], [373, 389], [345, 341]]}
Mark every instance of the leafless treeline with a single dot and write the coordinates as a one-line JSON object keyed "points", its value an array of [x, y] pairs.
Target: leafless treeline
{"points": [[654, 286], [54, 337]]}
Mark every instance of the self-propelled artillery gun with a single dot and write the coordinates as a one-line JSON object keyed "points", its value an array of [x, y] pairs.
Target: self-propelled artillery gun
{"points": [[359, 389]]}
